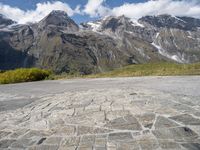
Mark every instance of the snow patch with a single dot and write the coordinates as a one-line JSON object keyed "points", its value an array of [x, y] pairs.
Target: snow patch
{"points": [[136, 23], [176, 58], [10, 28], [190, 35], [179, 19], [157, 35], [95, 26], [129, 32], [5, 30], [164, 53]]}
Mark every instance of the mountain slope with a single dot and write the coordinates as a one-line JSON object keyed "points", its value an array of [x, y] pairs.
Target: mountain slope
{"points": [[176, 38], [5, 21], [58, 43]]}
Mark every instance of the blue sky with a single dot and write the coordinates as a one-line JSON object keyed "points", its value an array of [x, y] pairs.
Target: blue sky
{"points": [[31, 4], [24, 11]]}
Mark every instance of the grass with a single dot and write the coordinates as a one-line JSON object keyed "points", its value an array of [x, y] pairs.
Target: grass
{"points": [[23, 75], [66, 76], [152, 69]]}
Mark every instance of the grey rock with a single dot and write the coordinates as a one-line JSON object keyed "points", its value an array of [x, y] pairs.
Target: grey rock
{"points": [[149, 144], [162, 122], [3, 134], [53, 140], [4, 21], [119, 124], [186, 119], [23, 143], [147, 119], [128, 146], [8, 105], [85, 147], [178, 134], [124, 123], [191, 146], [41, 141], [164, 144], [57, 43], [168, 21], [38, 133], [100, 142], [6, 143], [70, 142], [58, 18], [18, 133], [91, 130], [123, 136], [100, 148], [64, 131], [44, 147]]}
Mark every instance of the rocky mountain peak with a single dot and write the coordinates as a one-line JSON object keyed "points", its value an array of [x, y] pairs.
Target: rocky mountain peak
{"points": [[58, 12], [109, 23], [59, 19], [169, 21], [56, 42], [115, 23], [4, 21]]}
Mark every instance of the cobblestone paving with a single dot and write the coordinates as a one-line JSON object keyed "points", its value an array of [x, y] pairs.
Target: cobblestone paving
{"points": [[107, 118]]}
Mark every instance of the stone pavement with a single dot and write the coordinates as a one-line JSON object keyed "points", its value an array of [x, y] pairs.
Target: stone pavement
{"points": [[151, 113]]}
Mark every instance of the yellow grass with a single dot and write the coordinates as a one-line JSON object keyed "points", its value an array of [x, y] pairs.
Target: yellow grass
{"points": [[152, 69]]}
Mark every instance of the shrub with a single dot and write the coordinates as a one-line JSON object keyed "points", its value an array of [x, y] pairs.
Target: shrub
{"points": [[24, 75]]}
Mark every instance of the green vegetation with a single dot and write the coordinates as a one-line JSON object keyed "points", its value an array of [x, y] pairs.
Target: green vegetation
{"points": [[149, 69], [152, 69], [23, 75], [66, 76]]}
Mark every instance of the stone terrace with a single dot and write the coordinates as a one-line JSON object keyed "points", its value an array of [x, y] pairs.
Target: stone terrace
{"points": [[147, 113]]}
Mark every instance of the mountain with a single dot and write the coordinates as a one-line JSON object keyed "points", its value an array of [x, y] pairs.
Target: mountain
{"points": [[57, 19], [176, 38], [58, 43], [168, 21], [5, 21]]}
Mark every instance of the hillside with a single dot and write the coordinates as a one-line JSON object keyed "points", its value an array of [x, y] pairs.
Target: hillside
{"points": [[152, 69], [58, 43]]}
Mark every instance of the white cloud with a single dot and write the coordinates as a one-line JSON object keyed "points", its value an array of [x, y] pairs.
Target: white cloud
{"points": [[42, 10], [95, 8], [152, 7], [98, 8]]}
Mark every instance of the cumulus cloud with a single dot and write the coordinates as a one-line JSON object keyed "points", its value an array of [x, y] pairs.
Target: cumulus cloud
{"points": [[42, 10], [152, 7], [98, 8], [95, 8]]}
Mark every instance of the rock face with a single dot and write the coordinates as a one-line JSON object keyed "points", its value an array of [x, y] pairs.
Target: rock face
{"points": [[5, 21], [168, 21], [58, 19], [58, 43], [102, 114], [177, 38]]}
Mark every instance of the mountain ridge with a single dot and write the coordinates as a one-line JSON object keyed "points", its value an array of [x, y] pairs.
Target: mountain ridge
{"points": [[58, 43]]}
